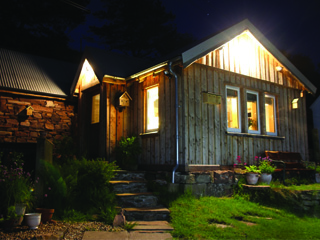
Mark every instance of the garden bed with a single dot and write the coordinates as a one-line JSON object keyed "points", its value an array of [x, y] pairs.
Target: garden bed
{"points": [[55, 230]]}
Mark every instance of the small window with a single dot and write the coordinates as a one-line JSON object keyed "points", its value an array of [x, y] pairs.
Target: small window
{"points": [[233, 109], [95, 113], [270, 109], [253, 112], [152, 109]]}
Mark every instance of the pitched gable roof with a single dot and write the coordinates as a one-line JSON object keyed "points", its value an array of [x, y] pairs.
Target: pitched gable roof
{"points": [[203, 48], [110, 64], [33, 74]]}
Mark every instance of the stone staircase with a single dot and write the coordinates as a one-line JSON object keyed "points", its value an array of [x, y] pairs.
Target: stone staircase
{"points": [[139, 205]]}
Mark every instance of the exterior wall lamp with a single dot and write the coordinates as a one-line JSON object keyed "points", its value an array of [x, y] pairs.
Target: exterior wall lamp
{"points": [[295, 103]]}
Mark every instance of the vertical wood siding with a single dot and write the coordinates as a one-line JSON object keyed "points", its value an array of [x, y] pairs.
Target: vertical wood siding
{"points": [[246, 56], [158, 148], [203, 126], [117, 123]]}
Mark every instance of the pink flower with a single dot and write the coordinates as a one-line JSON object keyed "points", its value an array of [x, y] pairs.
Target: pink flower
{"points": [[245, 163], [234, 165], [49, 188], [46, 195]]}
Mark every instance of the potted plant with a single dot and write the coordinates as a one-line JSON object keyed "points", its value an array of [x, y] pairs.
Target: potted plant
{"points": [[252, 174], [10, 218], [15, 185], [127, 152], [239, 166], [266, 169]]}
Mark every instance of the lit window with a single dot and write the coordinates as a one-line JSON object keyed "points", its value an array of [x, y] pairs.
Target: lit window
{"points": [[233, 109], [95, 114], [253, 112], [152, 113], [270, 108]]}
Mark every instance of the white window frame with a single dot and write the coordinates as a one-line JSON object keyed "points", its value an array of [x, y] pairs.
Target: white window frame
{"points": [[275, 133], [146, 110], [258, 112], [239, 113]]}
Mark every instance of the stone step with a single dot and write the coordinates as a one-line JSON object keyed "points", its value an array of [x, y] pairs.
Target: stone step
{"points": [[146, 214], [129, 175], [133, 186], [137, 200], [151, 226]]}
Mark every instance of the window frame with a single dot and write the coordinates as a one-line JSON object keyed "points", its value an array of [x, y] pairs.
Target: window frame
{"points": [[275, 133], [258, 111], [238, 130], [146, 109], [94, 107]]}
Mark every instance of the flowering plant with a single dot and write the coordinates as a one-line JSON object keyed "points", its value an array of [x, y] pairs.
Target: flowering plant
{"points": [[239, 162], [16, 185], [265, 165], [253, 169]]}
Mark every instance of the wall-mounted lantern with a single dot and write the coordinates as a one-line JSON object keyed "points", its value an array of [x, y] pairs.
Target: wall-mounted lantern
{"points": [[295, 103], [123, 101]]}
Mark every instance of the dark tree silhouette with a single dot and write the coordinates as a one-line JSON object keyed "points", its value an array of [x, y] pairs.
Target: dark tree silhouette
{"points": [[141, 28], [40, 26]]}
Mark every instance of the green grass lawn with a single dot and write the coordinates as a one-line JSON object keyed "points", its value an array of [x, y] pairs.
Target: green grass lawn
{"points": [[200, 218]]}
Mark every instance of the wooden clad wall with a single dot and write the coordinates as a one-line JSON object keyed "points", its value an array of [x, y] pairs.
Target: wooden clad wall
{"points": [[246, 56], [116, 122], [157, 148], [204, 127]]}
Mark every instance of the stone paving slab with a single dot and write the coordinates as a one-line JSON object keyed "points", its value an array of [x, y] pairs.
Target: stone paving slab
{"points": [[102, 235]]}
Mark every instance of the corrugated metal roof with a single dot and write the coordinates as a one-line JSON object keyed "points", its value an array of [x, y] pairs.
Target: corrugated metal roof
{"points": [[28, 73]]}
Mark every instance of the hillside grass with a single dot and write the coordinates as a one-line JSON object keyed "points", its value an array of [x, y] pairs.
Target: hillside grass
{"points": [[194, 218]]}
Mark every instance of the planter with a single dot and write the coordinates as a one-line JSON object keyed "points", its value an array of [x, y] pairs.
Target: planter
{"points": [[20, 210], [32, 220], [265, 178], [317, 177], [252, 178], [46, 214]]}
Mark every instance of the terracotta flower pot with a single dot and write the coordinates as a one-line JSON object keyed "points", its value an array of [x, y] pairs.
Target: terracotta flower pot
{"points": [[46, 214]]}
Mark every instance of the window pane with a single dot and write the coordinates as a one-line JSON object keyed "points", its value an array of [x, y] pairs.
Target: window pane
{"points": [[232, 108], [252, 109], [152, 109], [270, 114], [95, 114]]}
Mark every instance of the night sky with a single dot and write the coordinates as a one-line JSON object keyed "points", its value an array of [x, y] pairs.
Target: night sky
{"points": [[292, 26]]}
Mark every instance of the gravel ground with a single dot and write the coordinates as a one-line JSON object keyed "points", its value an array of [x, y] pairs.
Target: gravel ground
{"points": [[65, 230]]}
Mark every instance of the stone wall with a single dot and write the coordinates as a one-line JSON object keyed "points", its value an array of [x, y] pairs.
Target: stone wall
{"points": [[24, 119], [307, 200], [214, 183]]}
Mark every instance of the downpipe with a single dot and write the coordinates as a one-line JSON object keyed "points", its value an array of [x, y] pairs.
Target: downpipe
{"points": [[177, 118]]}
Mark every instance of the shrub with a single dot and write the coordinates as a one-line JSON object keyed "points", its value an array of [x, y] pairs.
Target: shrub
{"points": [[128, 150]]}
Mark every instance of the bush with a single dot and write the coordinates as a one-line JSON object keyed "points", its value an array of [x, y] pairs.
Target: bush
{"points": [[127, 152]]}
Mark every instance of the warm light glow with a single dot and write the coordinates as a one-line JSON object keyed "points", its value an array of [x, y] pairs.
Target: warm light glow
{"points": [[278, 68], [95, 113], [87, 76], [270, 115], [253, 112], [295, 103], [233, 109], [152, 113]]}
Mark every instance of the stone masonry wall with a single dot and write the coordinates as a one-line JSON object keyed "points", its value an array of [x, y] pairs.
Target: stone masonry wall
{"points": [[214, 183], [23, 119]]}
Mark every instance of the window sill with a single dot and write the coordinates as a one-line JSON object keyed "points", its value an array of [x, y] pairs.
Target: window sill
{"points": [[149, 134], [254, 135]]}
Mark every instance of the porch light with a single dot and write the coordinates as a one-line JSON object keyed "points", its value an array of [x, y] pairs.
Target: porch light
{"points": [[279, 68], [295, 103]]}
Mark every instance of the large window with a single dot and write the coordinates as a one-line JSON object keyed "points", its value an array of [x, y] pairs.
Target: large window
{"points": [[152, 109], [233, 109], [270, 111], [95, 110], [253, 112]]}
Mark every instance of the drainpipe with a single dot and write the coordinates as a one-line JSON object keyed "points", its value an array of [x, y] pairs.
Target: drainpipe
{"points": [[177, 119]]}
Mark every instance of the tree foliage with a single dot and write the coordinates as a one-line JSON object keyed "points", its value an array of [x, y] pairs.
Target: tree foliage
{"points": [[141, 28], [39, 25]]}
